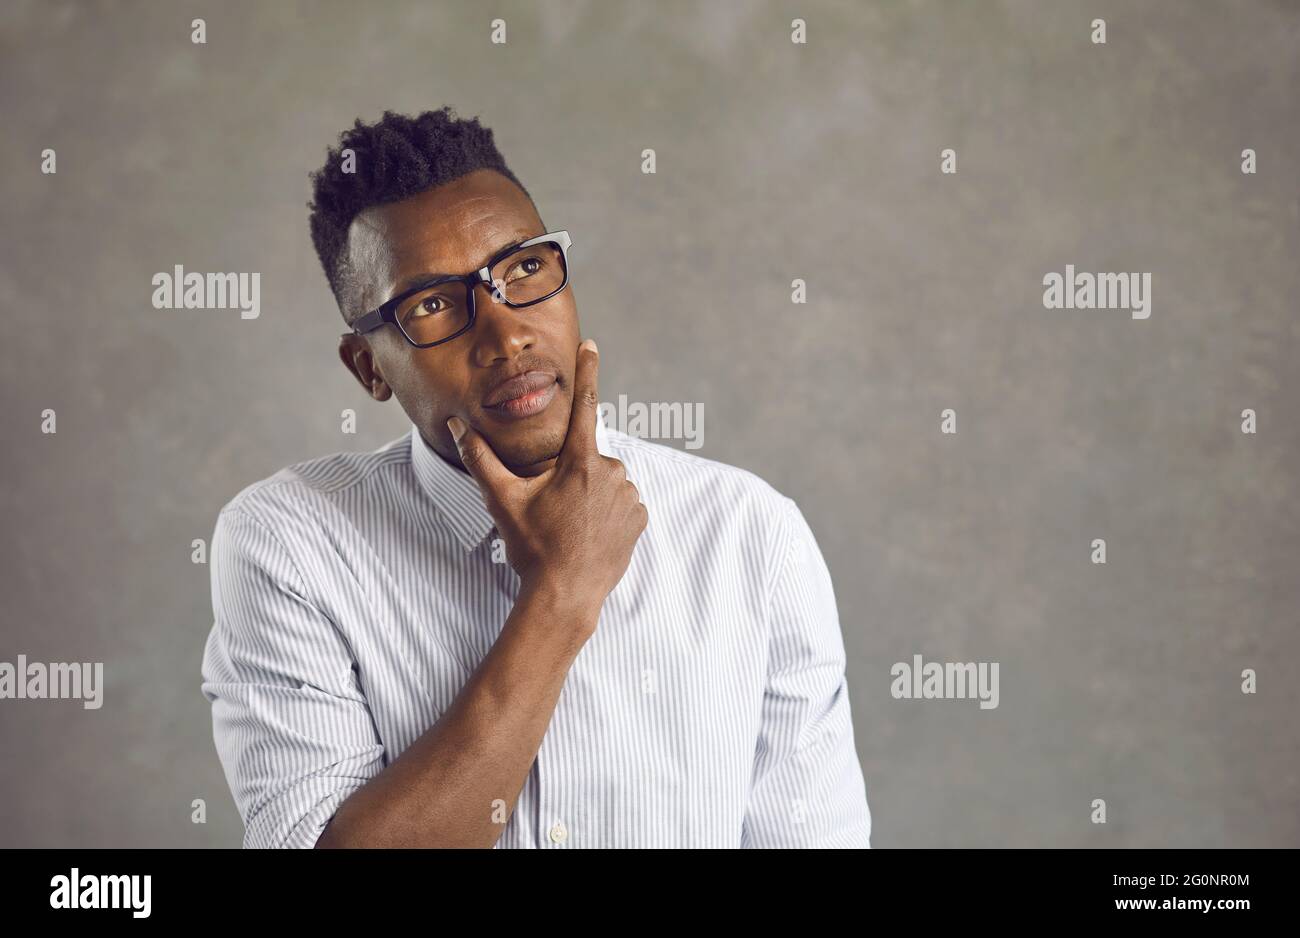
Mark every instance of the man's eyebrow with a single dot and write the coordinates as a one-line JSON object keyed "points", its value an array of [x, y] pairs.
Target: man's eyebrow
{"points": [[421, 279]]}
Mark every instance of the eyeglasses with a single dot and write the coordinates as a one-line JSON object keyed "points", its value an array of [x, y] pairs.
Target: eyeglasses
{"points": [[432, 313]]}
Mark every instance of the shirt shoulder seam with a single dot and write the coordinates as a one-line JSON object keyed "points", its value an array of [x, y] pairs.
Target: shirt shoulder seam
{"points": [[784, 551], [241, 512]]}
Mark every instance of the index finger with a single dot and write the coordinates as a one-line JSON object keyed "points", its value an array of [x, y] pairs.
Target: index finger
{"points": [[581, 438], [481, 461]]}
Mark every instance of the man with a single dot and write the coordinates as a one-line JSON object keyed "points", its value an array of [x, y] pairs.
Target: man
{"points": [[658, 664]]}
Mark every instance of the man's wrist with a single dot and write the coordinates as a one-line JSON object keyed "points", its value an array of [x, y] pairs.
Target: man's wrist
{"points": [[567, 605]]}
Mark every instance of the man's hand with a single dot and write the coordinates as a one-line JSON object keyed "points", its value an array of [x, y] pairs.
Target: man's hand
{"points": [[569, 531]]}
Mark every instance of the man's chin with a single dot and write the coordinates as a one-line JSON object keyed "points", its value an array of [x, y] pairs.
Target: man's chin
{"points": [[526, 453]]}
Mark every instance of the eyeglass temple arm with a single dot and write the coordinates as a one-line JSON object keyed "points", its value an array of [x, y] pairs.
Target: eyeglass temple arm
{"points": [[371, 320]]}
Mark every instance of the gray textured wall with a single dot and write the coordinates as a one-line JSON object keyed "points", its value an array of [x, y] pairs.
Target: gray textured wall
{"points": [[775, 161]]}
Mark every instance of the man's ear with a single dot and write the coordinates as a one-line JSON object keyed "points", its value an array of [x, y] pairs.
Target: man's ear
{"points": [[355, 353]]}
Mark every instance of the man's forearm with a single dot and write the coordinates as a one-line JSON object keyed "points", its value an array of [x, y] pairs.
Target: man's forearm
{"points": [[441, 791]]}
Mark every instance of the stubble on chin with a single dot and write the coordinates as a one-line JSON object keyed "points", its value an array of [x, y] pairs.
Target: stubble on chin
{"points": [[525, 458]]}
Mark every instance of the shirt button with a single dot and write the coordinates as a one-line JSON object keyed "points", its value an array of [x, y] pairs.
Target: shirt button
{"points": [[559, 833]]}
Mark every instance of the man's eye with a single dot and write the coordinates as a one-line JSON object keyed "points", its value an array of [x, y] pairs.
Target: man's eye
{"points": [[428, 306], [524, 268]]}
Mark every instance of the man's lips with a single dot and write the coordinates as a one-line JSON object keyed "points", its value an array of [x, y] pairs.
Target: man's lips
{"points": [[520, 386]]}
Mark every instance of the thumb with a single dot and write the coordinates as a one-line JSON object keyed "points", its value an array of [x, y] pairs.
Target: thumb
{"points": [[480, 461]]}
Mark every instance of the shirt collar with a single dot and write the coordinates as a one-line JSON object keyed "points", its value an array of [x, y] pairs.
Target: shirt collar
{"points": [[456, 495]]}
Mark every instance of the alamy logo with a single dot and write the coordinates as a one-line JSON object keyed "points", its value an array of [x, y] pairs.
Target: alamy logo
{"points": [[75, 891], [657, 421], [179, 290], [1098, 291], [952, 680], [65, 680]]}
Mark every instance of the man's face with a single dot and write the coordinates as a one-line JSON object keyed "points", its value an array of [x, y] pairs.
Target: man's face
{"points": [[455, 229]]}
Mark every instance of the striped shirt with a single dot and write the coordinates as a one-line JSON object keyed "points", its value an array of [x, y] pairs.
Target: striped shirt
{"points": [[354, 594]]}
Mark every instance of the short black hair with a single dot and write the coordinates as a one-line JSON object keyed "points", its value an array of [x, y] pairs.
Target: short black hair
{"points": [[394, 158]]}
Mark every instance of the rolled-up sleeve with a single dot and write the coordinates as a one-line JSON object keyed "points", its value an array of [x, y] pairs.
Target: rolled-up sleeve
{"points": [[807, 789], [292, 728]]}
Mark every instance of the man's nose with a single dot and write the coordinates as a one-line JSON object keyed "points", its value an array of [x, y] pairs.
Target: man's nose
{"points": [[500, 333]]}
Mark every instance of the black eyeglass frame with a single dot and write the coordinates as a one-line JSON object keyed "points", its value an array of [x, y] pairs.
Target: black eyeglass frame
{"points": [[387, 313]]}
